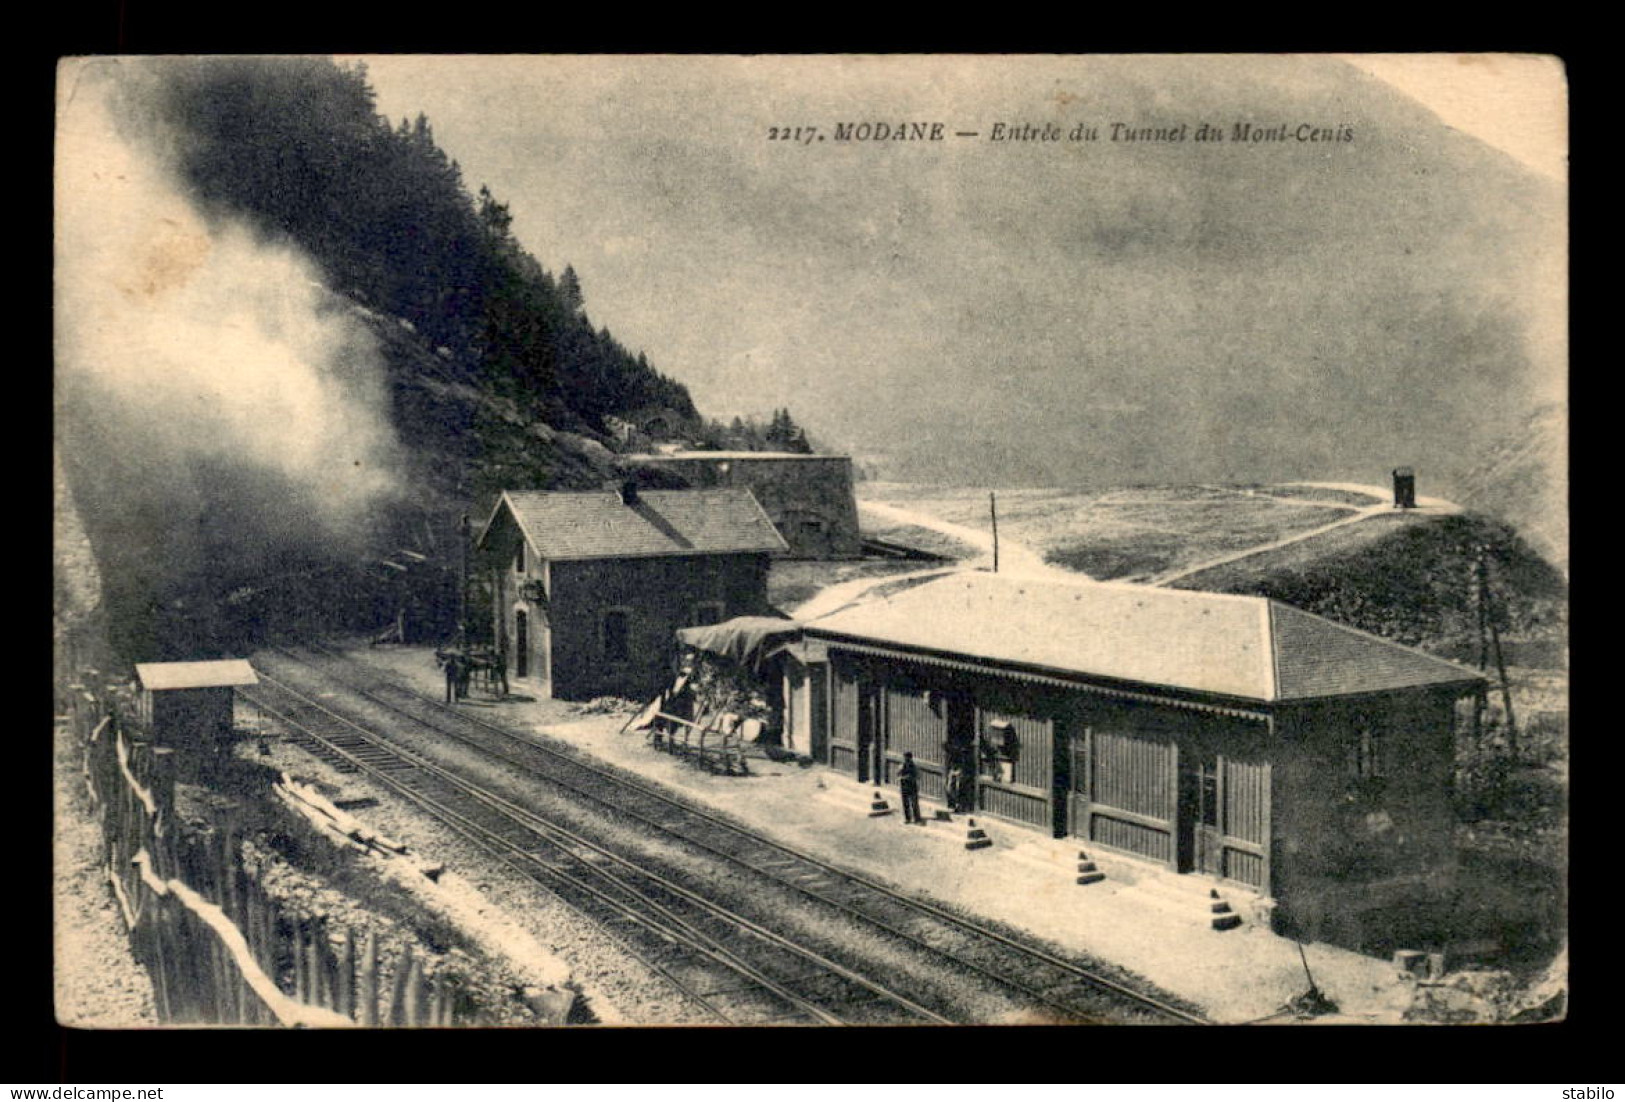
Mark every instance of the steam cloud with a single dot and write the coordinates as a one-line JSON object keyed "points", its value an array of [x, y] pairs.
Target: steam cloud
{"points": [[222, 414], [217, 344]]}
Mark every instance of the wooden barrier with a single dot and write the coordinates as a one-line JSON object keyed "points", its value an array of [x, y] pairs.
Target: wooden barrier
{"points": [[220, 950]]}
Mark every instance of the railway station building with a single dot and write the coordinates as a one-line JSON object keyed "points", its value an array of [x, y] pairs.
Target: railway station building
{"points": [[589, 589], [809, 498], [1222, 736]]}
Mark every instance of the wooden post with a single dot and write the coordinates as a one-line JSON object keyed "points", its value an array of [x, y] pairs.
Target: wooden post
{"points": [[330, 970], [215, 976], [346, 984], [1506, 692], [397, 998], [414, 991], [993, 511], [233, 987], [234, 880], [158, 968], [270, 951], [368, 993], [313, 965], [301, 986], [186, 970]]}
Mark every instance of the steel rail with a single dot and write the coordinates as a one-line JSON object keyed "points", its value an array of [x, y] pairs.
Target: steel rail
{"points": [[1070, 970], [564, 839], [483, 839]]}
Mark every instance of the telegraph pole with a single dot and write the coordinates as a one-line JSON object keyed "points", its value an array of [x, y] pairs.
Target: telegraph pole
{"points": [[1493, 645], [462, 588], [993, 510]]}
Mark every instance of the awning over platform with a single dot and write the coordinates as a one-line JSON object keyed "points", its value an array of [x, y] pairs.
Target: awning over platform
{"points": [[744, 639]]}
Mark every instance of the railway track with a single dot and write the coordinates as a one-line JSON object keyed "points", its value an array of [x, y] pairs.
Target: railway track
{"points": [[732, 968], [1052, 986]]}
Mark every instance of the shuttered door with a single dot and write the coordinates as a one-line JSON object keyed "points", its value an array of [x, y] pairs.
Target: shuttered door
{"points": [[1133, 790], [1246, 822], [912, 726], [843, 743]]}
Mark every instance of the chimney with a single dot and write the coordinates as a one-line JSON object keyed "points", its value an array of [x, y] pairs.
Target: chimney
{"points": [[1404, 488], [628, 490]]}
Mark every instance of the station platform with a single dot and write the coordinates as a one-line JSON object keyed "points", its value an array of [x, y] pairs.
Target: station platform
{"points": [[1138, 916]]}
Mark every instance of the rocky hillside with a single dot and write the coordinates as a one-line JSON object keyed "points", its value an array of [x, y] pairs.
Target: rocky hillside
{"points": [[294, 352]]}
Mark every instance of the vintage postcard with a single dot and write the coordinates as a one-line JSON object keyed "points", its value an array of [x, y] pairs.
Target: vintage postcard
{"points": [[721, 540]]}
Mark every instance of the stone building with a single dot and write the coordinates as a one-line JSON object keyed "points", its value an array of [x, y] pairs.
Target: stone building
{"points": [[809, 498], [589, 589]]}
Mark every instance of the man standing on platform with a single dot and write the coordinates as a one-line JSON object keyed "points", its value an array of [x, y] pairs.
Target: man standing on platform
{"points": [[908, 780]]}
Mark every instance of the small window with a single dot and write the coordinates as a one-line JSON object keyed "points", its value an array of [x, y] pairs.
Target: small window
{"points": [[708, 612], [519, 559], [999, 751], [1366, 755], [617, 636]]}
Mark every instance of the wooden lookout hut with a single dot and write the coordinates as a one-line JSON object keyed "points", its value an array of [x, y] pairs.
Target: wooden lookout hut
{"points": [[188, 706]]}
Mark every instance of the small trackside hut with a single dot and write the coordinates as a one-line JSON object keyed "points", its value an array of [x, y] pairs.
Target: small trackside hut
{"points": [[1231, 737], [189, 706], [588, 588]]}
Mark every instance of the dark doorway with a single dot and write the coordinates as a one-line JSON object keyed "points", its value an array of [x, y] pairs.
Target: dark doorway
{"points": [[871, 748], [521, 644], [960, 757], [1200, 834], [1061, 779]]}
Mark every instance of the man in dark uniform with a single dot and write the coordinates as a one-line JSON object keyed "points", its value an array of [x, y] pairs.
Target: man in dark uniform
{"points": [[908, 780], [451, 678]]}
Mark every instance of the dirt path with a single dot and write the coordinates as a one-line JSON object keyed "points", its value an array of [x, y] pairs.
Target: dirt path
{"points": [[1426, 505], [1022, 561], [1014, 558]]}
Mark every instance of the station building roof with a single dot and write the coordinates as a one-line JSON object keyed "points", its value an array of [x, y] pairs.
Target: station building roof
{"points": [[1249, 647], [600, 525]]}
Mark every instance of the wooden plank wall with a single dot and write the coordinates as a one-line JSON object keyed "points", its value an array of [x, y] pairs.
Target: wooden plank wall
{"points": [[1134, 793], [843, 740], [1245, 818], [915, 726]]}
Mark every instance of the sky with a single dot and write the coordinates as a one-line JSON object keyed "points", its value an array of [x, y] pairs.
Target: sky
{"points": [[1068, 312]]}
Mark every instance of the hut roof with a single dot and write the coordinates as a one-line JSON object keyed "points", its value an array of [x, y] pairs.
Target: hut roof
{"points": [[1239, 646], [161, 676]]}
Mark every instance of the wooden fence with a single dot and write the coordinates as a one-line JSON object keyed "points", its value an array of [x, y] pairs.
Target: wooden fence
{"points": [[220, 949]]}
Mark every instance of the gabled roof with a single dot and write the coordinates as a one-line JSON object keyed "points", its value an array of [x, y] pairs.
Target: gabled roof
{"points": [[1238, 646], [597, 525], [159, 676]]}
